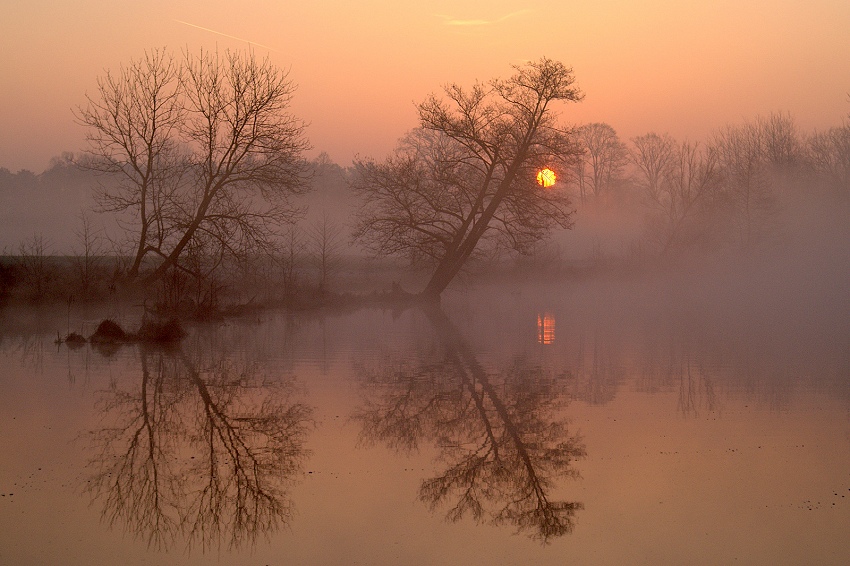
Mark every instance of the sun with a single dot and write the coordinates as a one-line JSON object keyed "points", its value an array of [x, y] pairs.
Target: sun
{"points": [[546, 178]]}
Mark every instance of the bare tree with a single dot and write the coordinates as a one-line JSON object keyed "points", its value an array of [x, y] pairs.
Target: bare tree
{"points": [[326, 243], [32, 264], [246, 154], [133, 124], [676, 180], [89, 259], [289, 254], [693, 188], [467, 175], [829, 152], [780, 142], [745, 181], [603, 159], [653, 155], [208, 151]]}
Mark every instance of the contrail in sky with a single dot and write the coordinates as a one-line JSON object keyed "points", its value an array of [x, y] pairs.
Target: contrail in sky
{"points": [[453, 22], [230, 36]]}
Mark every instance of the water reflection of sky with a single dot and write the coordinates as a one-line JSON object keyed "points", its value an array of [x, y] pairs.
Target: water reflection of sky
{"points": [[694, 437]]}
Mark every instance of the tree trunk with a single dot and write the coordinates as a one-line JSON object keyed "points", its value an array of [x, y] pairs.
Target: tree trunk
{"points": [[451, 264], [172, 257]]}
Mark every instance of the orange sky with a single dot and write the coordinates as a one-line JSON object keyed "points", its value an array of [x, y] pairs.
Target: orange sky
{"points": [[667, 66]]}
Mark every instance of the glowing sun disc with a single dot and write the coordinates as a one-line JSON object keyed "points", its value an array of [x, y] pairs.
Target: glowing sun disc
{"points": [[546, 178]]}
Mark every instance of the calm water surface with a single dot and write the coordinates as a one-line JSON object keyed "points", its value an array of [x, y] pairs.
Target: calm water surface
{"points": [[529, 425]]}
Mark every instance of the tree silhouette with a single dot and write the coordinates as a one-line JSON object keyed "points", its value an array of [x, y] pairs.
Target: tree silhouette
{"points": [[830, 155], [205, 152], [679, 182], [750, 203], [602, 161], [467, 174]]}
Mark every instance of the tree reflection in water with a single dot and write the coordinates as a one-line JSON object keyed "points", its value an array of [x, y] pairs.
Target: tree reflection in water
{"points": [[203, 452], [501, 438]]}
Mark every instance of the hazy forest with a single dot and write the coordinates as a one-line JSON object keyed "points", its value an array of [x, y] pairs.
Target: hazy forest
{"points": [[200, 197]]}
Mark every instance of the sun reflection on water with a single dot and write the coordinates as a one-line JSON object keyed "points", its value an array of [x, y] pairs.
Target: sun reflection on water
{"points": [[545, 328]]}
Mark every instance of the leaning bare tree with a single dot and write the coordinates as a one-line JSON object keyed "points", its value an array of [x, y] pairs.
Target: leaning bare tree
{"points": [[467, 174], [207, 152]]}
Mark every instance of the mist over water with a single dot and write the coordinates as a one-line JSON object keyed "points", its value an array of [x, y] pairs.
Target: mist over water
{"points": [[657, 407], [608, 398]]}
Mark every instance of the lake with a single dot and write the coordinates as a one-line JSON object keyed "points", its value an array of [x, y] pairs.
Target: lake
{"points": [[649, 421]]}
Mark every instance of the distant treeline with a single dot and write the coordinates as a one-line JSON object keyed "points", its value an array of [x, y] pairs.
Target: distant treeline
{"points": [[750, 186]]}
